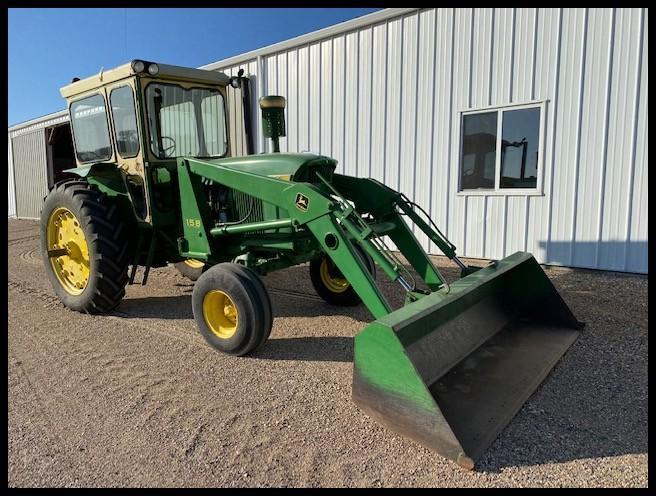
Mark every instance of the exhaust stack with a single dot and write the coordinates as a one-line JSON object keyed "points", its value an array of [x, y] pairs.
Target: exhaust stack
{"points": [[273, 118]]}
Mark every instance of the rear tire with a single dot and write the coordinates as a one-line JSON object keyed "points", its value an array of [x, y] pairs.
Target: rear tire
{"points": [[92, 275], [191, 269], [232, 309], [330, 283]]}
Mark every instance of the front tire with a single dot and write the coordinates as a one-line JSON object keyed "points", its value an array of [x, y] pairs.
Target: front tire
{"points": [[84, 246], [329, 282], [232, 309]]}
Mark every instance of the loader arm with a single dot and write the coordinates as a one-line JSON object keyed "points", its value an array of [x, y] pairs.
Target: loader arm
{"points": [[320, 217], [334, 223]]}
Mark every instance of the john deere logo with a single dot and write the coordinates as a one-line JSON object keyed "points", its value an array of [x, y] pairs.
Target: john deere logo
{"points": [[302, 202]]}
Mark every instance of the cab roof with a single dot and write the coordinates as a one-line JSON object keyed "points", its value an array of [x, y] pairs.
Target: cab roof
{"points": [[168, 72]]}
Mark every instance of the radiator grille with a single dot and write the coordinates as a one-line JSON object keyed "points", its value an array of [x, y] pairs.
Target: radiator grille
{"points": [[242, 206]]}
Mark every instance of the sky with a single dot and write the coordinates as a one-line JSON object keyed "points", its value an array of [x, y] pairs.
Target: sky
{"points": [[48, 47]]}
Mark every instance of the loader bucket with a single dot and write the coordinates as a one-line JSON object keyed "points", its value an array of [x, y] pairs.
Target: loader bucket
{"points": [[452, 369]]}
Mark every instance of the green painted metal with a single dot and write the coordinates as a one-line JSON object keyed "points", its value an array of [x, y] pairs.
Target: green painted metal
{"points": [[93, 169], [195, 215], [451, 369], [276, 164], [254, 226]]}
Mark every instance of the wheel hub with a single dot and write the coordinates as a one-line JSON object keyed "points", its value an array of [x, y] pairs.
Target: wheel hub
{"points": [[220, 314], [68, 250], [332, 279]]}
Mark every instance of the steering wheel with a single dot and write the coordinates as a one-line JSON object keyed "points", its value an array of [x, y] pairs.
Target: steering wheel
{"points": [[168, 151]]}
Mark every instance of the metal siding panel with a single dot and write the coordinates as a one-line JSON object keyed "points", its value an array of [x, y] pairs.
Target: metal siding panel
{"points": [[502, 56], [394, 91], [482, 49], [626, 51], [11, 187], [283, 90], [252, 70], [407, 164], [292, 101], [445, 122], [314, 104], [475, 239], [379, 101], [524, 56], [457, 220], [326, 74], [495, 217], [515, 224], [637, 255], [271, 64], [425, 117], [303, 99], [339, 100], [29, 152], [364, 95], [545, 86], [592, 135], [565, 159], [351, 105]]}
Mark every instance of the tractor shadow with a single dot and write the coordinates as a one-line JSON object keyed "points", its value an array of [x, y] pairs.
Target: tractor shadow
{"points": [[307, 349]]}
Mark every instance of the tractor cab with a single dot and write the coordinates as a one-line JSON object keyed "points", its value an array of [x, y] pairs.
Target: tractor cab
{"points": [[141, 116]]}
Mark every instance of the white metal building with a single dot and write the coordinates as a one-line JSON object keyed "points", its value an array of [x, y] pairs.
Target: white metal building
{"points": [[517, 129]]}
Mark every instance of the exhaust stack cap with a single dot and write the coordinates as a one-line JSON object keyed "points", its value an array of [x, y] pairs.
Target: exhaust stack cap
{"points": [[273, 102]]}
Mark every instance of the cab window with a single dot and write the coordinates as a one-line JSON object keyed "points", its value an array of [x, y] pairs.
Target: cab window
{"points": [[125, 121], [90, 129]]}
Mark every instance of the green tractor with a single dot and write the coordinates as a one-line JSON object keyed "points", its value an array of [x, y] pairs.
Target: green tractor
{"points": [[157, 182]]}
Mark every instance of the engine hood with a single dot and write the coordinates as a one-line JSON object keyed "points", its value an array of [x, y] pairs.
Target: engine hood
{"points": [[297, 167]]}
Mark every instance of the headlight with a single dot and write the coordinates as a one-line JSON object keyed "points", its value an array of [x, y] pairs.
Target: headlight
{"points": [[153, 69], [234, 82], [138, 65]]}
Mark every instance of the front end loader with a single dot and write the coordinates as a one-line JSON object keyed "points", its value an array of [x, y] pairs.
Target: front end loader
{"points": [[158, 182]]}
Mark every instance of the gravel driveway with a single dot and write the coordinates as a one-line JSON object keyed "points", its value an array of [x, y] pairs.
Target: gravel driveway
{"points": [[137, 398]]}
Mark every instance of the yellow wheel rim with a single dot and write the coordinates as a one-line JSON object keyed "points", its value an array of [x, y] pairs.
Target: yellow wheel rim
{"points": [[194, 264], [220, 314], [334, 284], [68, 250]]}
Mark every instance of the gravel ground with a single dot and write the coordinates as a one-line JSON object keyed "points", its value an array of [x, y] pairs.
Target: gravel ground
{"points": [[137, 398]]}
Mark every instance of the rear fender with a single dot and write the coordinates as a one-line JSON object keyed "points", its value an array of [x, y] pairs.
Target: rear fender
{"points": [[109, 179]]}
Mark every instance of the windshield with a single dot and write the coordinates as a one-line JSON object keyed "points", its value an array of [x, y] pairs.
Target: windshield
{"points": [[186, 122]]}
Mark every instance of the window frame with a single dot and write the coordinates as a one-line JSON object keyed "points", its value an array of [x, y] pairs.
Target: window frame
{"points": [[110, 134], [500, 110], [136, 119], [184, 86]]}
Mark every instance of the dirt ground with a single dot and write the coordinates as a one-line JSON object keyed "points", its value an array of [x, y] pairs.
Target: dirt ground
{"points": [[137, 398]]}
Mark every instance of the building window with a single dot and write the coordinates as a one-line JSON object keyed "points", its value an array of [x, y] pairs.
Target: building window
{"points": [[90, 129], [125, 121], [500, 149]]}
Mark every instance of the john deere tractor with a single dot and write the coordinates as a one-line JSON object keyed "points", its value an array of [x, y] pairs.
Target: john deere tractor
{"points": [[157, 182]]}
